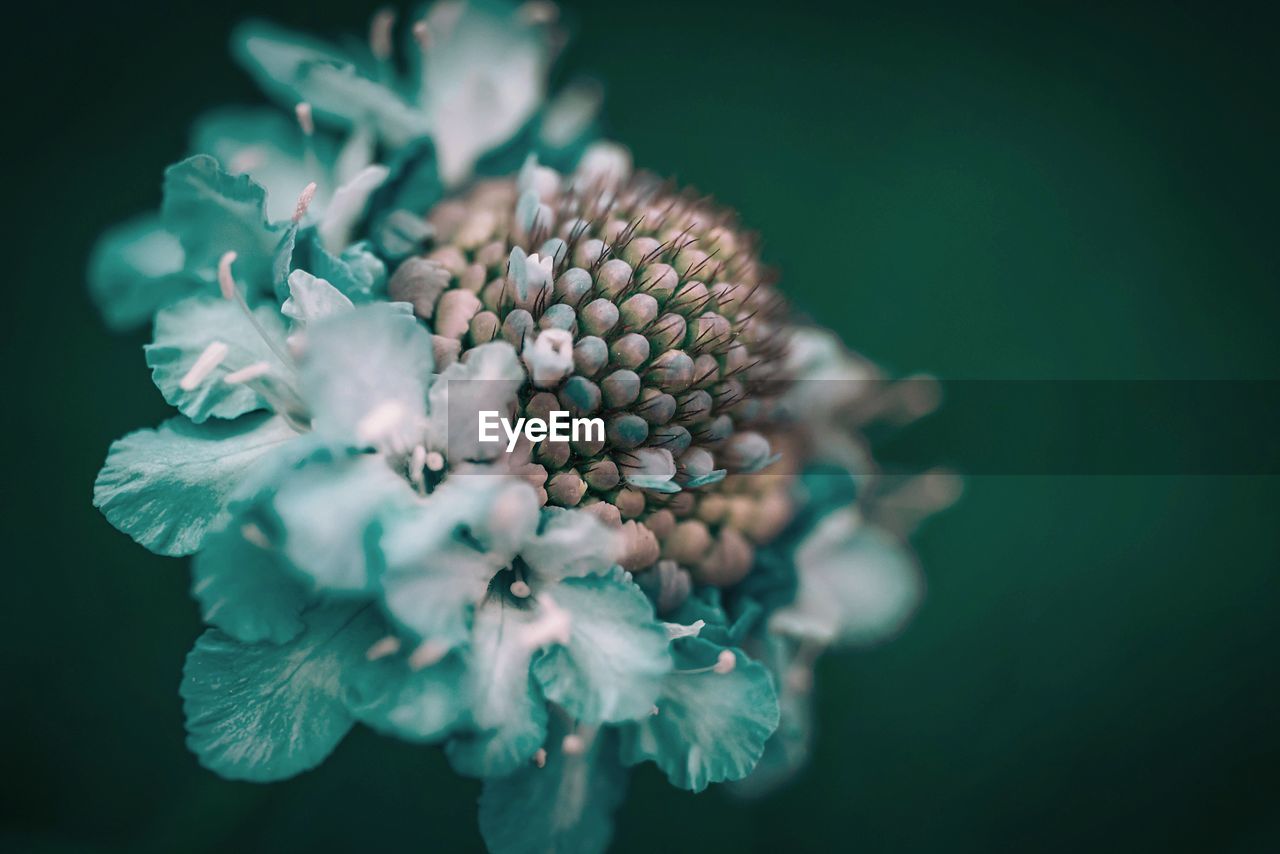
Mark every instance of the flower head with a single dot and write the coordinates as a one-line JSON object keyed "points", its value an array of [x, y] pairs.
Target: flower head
{"points": [[329, 328]]}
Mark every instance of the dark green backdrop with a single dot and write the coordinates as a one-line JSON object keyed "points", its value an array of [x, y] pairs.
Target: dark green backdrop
{"points": [[983, 192]]}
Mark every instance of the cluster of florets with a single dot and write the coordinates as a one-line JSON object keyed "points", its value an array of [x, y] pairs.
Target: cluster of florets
{"points": [[331, 315], [647, 307]]}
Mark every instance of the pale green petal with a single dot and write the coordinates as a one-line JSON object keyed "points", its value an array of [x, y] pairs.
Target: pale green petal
{"points": [[365, 375], [268, 145], [857, 584], [137, 267], [328, 511], [413, 186], [292, 68], [185, 330], [710, 726], [565, 807], [356, 272], [705, 604], [245, 588], [264, 712], [570, 543], [311, 299], [489, 378], [434, 575], [419, 705], [507, 708], [788, 748], [213, 212], [612, 667], [166, 487], [482, 81], [343, 211]]}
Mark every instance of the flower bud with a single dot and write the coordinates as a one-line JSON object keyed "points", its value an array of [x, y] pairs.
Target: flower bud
{"points": [[590, 355], [419, 281], [620, 388], [602, 475], [579, 396], [629, 351], [558, 316], [638, 312], [626, 430], [566, 488], [655, 407], [672, 371], [666, 332], [572, 286], [613, 278], [598, 317], [454, 312]]}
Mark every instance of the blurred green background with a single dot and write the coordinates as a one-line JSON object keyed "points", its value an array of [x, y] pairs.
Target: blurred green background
{"points": [[981, 192]]}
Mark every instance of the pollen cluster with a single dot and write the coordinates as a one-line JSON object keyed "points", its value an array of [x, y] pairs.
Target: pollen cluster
{"points": [[646, 306]]}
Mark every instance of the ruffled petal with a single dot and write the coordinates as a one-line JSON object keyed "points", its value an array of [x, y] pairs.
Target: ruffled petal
{"points": [[245, 589], [167, 487], [442, 555], [312, 298], [482, 81], [788, 748], [365, 375], [507, 708], [328, 512], [348, 204], [423, 704], [711, 726], [356, 272], [566, 805], [264, 712], [570, 543], [268, 145], [857, 584], [137, 267], [213, 212], [291, 68], [611, 667], [210, 329]]}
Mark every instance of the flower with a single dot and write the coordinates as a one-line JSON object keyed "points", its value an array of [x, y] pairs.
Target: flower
{"points": [[329, 327]]}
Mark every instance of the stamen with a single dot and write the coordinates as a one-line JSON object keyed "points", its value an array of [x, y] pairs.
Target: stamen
{"points": [[226, 283], [538, 12], [540, 758], [725, 662], [208, 360], [799, 679], [427, 654], [247, 373], [389, 645], [573, 745], [255, 535], [676, 630], [520, 589], [417, 460], [435, 461], [304, 201], [653, 710], [422, 35], [380, 34], [306, 120]]}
